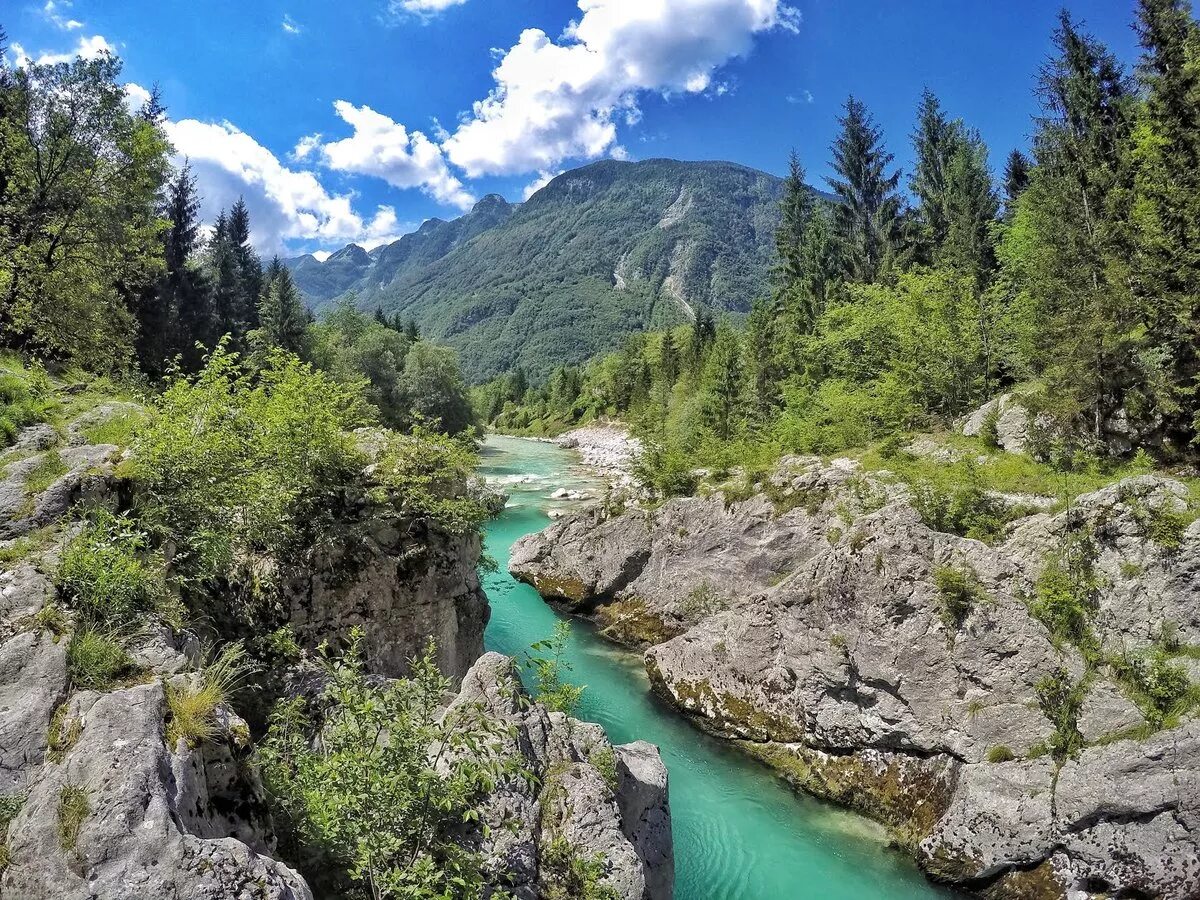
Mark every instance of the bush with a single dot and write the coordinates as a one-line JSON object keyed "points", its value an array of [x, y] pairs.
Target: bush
{"points": [[233, 460], [1161, 686], [381, 814], [429, 473], [568, 875], [958, 592], [1065, 595], [108, 573], [667, 471], [550, 671], [1060, 701], [97, 660]]}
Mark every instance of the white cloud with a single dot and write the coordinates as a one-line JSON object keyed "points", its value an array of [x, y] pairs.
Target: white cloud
{"points": [[543, 179], [87, 47], [422, 8], [802, 97], [321, 255], [53, 11], [136, 97], [289, 25], [386, 149], [285, 204], [558, 99]]}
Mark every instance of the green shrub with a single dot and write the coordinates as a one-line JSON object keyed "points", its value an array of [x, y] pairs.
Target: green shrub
{"points": [[959, 591], [1000, 754], [569, 875], [381, 814], [427, 472], [230, 459], [550, 671], [604, 758], [97, 660], [73, 808], [1161, 687], [121, 428], [989, 432], [1066, 593], [1060, 700], [963, 508], [701, 602], [25, 399], [108, 573], [667, 471]]}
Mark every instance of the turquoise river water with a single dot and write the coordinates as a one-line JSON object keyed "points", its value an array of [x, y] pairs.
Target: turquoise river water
{"points": [[740, 832]]}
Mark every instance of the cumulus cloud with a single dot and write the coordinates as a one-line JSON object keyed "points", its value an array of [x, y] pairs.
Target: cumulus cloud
{"points": [[285, 204], [558, 99], [386, 149], [289, 25], [87, 47], [802, 97], [136, 97]]}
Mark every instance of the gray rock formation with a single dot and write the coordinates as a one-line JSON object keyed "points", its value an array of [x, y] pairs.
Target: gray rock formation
{"points": [[1008, 418], [900, 670], [602, 801]]}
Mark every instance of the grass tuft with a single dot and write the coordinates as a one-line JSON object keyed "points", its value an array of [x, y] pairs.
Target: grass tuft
{"points": [[73, 808], [98, 660], [191, 708]]}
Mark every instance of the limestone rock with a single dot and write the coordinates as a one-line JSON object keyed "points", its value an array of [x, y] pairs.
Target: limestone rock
{"points": [[627, 822], [33, 682], [137, 836], [1011, 418]]}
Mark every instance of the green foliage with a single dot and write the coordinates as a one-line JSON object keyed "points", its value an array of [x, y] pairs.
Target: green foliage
{"points": [[551, 670], [234, 459], [429, 473], [604, 758], [959, 591], [666, 470], [108, 573], [1060, 700], [1159, 685], [25, 399], [120, 429], [10, 806], [568, 875], [73, 808], [98, 660], [79, 227], [368, 811], [47, 470], [192, 706], [1065, 595]]}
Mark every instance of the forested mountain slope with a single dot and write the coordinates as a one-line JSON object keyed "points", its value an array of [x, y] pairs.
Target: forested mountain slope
{"points": [[599, 251]]}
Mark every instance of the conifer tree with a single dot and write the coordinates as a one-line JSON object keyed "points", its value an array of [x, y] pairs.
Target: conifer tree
{"points": [[867, 218], [282, 318], [722, 382], [971, 207], [183, 292], [936, 142], [1016, 179]]}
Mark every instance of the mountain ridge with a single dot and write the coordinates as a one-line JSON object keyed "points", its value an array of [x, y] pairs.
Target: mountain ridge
{"points": [[597, 252]]}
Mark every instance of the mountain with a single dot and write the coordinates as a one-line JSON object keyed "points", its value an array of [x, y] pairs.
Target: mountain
{"points": [[598, 252]]}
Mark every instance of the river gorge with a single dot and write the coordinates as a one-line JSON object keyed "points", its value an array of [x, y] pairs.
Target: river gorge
{"points": [[740, 832]]}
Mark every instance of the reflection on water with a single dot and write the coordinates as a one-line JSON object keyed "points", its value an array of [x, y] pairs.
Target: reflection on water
{"points": [[740, 833]]}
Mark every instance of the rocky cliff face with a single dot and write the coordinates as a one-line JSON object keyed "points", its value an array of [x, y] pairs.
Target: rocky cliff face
{"points": [[97, 802], [910, 673]]}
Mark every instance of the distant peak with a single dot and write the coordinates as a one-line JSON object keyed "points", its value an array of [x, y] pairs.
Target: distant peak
{"points": [[488, 201], [351, 252]]}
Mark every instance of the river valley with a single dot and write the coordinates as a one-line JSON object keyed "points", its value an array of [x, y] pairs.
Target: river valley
{"points": [[740, 832]]}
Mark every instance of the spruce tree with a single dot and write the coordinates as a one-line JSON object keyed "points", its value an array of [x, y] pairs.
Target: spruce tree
{"points": [[936, 142], [1016, 179], [867, 218], [183, 289], [970, 207], [282, 317], [722, 382]]}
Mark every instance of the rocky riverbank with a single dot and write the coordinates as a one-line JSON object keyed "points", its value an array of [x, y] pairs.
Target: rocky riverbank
{"points": [[608, 450], [98, 800], [1020, 713]]}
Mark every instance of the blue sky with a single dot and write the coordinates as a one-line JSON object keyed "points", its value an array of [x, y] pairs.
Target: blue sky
{"points": [[358, 120]]}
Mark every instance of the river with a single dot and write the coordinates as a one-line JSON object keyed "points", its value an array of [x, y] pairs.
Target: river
{"points": [[740, 832]]}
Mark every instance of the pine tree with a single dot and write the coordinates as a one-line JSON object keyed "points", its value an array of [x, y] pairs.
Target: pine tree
{"points": [[282, 317], [183, 291], [1065, 250], [867, 218], [936, 141], [762, 371], [412, 331], [249, 269], [971, 207], [1016, 179], [1166, 236], [381, 318], [722, 382]]}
